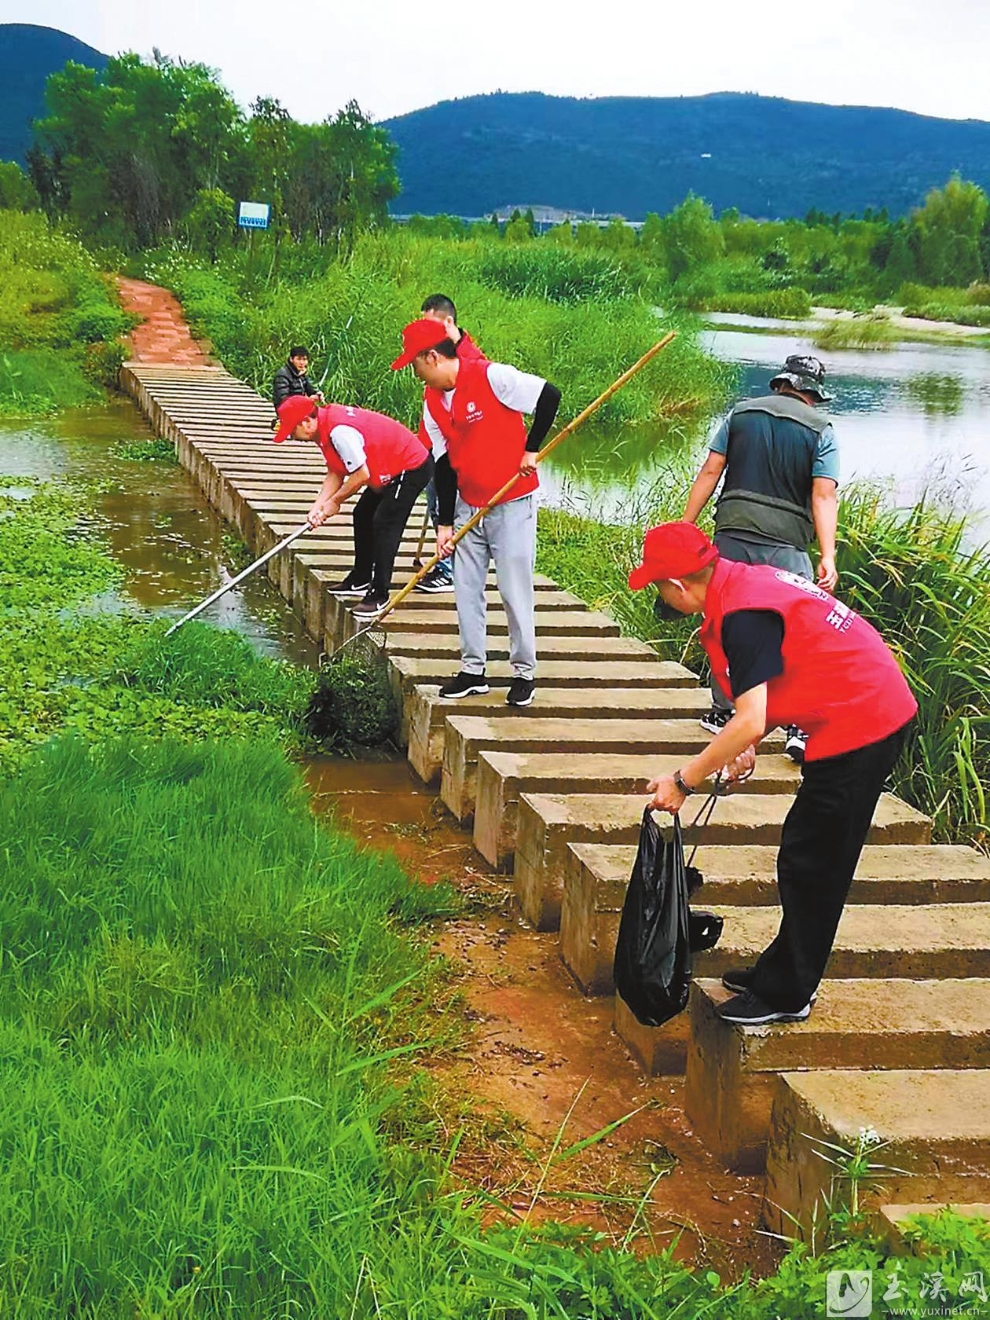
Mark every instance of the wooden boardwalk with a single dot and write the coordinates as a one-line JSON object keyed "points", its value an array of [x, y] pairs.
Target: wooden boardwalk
{"points": [[900, 1037]]}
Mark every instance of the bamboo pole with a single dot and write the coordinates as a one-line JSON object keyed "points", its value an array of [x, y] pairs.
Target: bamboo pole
{"points": [[548, 448]]}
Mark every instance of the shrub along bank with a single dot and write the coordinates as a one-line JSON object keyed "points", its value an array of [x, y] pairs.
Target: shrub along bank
{"points": [[566, 316], [59, 319]]}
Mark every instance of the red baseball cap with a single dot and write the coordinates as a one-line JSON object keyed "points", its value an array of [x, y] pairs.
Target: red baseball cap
{"points": [[417, 337], [672, 550], [291, 411]]}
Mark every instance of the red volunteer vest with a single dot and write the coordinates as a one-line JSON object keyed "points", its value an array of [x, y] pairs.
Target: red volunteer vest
{"points": [[841, 684], [485, 439], [389, 446], [467, 351]]}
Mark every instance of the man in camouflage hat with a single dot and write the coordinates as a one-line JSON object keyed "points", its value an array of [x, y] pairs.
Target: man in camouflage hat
{"points": [[780, 464]]}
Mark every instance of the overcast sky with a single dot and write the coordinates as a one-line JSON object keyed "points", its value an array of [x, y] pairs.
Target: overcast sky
{"points": [[932, 56]]}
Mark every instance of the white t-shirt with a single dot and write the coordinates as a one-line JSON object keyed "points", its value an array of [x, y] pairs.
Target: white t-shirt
{"points": [[349, 444], [516, 389]]}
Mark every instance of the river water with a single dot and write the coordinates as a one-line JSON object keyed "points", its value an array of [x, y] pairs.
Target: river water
{"points": [[915, 416], [154, 520]]}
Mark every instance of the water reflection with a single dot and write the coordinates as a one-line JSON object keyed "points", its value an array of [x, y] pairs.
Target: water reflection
{"points": [[911, 415], [153, 520]]}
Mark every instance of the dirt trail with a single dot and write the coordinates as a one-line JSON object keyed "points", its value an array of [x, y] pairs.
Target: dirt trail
{"points": [[163, 335], [538, 1048]]}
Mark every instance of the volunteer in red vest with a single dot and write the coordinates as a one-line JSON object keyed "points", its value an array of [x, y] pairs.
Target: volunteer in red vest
{"points": [[787, 653], [377, 455], [475, 410], [438, 307]]}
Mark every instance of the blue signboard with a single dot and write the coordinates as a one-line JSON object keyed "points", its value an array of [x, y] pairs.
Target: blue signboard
{"points": [[253, 215]]}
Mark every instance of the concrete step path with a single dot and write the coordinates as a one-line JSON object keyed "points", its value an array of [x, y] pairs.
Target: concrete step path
{"points": [[313, 574], [596, 877], [429, 713], [644, 671], [468, 735], [549, 623], [938, 942], [935, 1125], [589, 650], [876, 1024], [548, 822], [503, 776]]}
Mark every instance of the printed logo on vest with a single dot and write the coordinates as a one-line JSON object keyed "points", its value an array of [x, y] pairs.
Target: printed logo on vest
{"points": [[795, 580], [840, 617], [474, 413]]}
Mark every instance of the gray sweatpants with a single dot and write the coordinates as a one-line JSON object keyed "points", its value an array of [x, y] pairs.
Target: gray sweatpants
{"points": [[507, 535], [743, 551]]}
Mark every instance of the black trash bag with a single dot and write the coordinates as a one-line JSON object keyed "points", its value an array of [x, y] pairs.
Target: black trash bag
{"points": [[653, 952]]}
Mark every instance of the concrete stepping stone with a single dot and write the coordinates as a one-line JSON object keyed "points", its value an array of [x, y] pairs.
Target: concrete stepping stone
{"points": [[596, 877], [408, 672], [530, 731], [548, 822], [429, 712], [935, 1124], [554, 623], [503, 776], [876, 1024], [921, 942], [586, 649]]}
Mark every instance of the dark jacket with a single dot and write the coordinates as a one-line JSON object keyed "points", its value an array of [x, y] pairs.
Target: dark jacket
{"points": [[288, 381]]}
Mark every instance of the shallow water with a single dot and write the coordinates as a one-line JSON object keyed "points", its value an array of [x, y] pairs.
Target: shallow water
{"points": [[914, 416], [154, 520]]}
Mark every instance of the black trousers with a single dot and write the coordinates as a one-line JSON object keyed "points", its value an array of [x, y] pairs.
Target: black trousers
{"points": [[822, 839], [380, 518]]}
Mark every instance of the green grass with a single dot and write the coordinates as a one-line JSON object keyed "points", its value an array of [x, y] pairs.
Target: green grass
{"points": [[59, 319], [351, 314], [791, 304], [870, 332], [67, 664], [208, 1015]]}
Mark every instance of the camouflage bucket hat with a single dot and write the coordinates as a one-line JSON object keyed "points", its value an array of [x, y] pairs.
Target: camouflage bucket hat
{"points": [[806, 374]]}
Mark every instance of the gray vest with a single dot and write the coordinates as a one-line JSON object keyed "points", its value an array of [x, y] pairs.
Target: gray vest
{"points": [[768, 473]]}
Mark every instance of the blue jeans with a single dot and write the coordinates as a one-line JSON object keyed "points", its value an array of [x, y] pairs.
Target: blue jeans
{"points": [[445, 568]]}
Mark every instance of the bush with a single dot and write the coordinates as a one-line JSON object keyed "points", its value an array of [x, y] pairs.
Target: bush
{"points": [[792, 304], [553, 272], [351, 314], [353, 701]]}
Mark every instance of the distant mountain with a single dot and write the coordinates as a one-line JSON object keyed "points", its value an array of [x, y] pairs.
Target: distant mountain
{"points": [[28, 54], [767, 156]]}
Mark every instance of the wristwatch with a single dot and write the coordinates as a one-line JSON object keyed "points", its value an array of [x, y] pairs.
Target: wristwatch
{"points": [[682, 787]]}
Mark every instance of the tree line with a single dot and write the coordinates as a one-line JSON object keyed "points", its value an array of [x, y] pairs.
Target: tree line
{"points": [[151, 149]]}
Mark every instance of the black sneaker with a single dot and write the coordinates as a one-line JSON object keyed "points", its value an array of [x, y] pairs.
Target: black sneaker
{"points": [[716, 719], [795, 743], [465, 685], [738, 978], [746, 1010], [370, 607], [436, 580], [521, 692], [349, 588]]}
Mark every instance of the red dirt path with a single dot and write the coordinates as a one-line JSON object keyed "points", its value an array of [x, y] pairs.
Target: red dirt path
{"points": [[163, 337]]}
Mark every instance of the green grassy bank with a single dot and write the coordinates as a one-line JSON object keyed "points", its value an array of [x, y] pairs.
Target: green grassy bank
{"points": [[569, 316], [60, 321]]}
